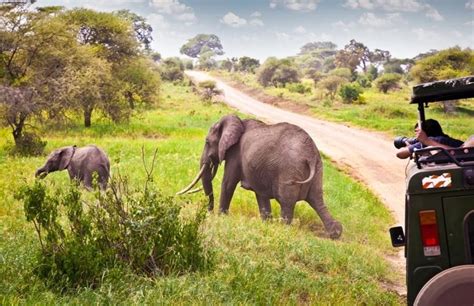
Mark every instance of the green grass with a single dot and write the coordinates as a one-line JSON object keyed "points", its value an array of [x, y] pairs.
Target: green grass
{"points": [[390, 113], [256, 262]]}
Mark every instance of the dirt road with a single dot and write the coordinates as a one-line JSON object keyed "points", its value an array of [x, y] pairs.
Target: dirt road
{"points": [[370, 156]]}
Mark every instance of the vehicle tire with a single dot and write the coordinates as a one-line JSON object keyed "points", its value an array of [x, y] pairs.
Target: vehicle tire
{"points": [[454, 286]]}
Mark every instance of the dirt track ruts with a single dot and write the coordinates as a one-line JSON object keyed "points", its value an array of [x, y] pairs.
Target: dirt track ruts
{"points": [[370, 156]]}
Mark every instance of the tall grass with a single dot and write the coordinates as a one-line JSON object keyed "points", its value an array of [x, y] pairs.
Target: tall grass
{"points": [[256, 262]]}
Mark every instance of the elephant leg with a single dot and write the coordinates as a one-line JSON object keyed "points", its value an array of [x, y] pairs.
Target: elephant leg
{"points": [[264, 207], [315, 199], [229, 183], [287, 211], [87, 180]]}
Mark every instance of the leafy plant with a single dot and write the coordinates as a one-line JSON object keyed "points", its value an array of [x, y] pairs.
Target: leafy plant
{"points": [[127, 228], [298, 88], [388, 81], [350, 92]]}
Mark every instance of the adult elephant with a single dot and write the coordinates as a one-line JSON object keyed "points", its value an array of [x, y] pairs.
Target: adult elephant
{"points": [[80, 163], [277, 161]]}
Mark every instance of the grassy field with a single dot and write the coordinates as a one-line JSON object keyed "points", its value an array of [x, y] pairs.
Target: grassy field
{"points": [[256, 262], [390, 113]]}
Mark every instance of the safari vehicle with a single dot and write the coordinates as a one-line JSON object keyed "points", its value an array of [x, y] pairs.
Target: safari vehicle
{"points": [[439, 212]]}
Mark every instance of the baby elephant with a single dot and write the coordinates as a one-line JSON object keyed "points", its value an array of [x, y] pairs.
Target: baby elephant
{"points": [[81, 163]]}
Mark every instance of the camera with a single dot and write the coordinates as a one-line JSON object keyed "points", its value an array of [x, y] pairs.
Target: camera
{"points": [[401, 141]]}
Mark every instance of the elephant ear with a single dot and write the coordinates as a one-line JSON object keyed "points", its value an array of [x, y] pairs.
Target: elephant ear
{"points": [[232, 129], [65, 156]]}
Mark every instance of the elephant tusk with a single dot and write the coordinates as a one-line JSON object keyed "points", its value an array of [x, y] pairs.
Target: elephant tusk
{"points": [[196, 179], [194, 190]]}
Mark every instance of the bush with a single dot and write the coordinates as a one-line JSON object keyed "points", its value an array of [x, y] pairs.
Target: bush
{"points": [[364, 81], [29, 144], [209, 90], [298, 88], [331, 83], [137, 229], [277, 72], [350, 92], [342, 72], [388, 81], [172, 69]]}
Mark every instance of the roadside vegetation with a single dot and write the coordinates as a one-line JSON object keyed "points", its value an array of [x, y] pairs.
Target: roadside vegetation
{"points": [[358, 86]]}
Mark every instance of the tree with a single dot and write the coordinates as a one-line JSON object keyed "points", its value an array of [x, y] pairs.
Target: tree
{"points": [[226, 64], [277, 72], [172, 69], [142, 29], [202, 44], [248, 64], [331, 84], [155, 56], [350, 92], [449, 63], [388, 81], [111, 34], [318, 46], [34, 52], [354, 54]]}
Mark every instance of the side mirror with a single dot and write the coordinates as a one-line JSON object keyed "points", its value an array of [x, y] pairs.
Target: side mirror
{"points": [[397, 236]]}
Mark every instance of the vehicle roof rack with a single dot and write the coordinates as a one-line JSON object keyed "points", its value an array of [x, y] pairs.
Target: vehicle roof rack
{"points": [[462, 157], [452, 89]]}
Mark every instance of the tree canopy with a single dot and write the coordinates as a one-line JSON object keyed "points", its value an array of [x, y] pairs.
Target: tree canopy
{"points": [[202, 45]]}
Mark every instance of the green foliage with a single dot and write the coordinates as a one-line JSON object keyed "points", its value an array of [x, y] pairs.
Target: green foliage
{"points": [[248, 64], [388, 81], [449, 63], [350, 92], [342, 72], [277, 72], [364, 80], [202, 45], [331, 84], [30, 144], [172, 69], [127, 227], [209, 90], [373, 72], [298, 88]]}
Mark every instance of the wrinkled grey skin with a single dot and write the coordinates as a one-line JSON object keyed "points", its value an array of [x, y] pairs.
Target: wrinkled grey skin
{"points": [[80, 163], [277, 161]]}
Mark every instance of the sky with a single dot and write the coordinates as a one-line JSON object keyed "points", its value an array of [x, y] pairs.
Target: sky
{"points": [[263, 28]]}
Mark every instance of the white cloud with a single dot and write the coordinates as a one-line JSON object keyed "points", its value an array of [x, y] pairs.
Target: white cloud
{"points": [[470, 23], [300, 30], [296, 5], [425, 35], [256, 22], [457, 34], [233, 20], [346, 27], [178, 10], [470, 4], [397, 6], [158, 21], [282, 36], [369, 19], [256, 14]]}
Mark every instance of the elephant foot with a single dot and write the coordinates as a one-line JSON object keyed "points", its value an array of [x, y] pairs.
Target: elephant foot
{"points": [[334, 230]]}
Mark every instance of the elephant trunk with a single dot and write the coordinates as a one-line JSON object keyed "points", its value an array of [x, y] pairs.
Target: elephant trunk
{"points": [[41, 172]]}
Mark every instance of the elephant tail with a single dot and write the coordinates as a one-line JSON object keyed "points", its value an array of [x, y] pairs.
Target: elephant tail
{"points": [[312, 171]]}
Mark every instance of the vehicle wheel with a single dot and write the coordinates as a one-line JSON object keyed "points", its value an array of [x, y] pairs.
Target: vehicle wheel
{"points": [[454, 286]]}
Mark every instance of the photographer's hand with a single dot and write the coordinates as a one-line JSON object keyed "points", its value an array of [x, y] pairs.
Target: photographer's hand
{"points": [[422, 137]]}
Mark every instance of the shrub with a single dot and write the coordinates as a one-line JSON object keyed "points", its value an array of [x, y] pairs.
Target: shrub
{"points": [[172, 69], [29, 144], [342, 72], [331, 83], [298, 88], [388, 81], [364, 81], [137, 229], [350, 92], [209, 90], [277, 72]]}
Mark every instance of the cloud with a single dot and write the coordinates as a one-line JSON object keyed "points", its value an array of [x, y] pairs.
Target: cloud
{"points": [[256, 22], [425, 35], [300, 30], [158, 21], [233, 20], [256, 14], [396, 6], [470, 4], [470, 23], [346, 27], [296, 5], [369, 19], [282, 36], [174, 8]]}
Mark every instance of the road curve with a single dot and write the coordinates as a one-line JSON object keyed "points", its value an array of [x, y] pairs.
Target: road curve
{"points": [[369, 155]]}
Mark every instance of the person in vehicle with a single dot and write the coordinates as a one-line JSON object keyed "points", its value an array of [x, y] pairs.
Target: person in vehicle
{"points": [[423, 138], [431, 134]]}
